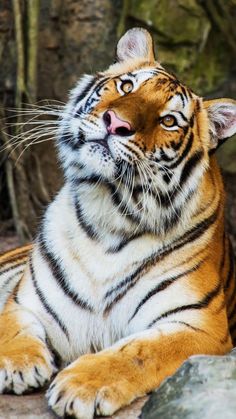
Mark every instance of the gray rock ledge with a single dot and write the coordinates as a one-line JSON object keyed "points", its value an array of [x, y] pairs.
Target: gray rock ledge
{"points": [[203, 387]]}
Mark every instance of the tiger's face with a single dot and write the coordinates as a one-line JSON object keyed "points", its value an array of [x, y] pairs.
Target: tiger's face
{"points": [[121, 118], [142, 115], [139, 125]]}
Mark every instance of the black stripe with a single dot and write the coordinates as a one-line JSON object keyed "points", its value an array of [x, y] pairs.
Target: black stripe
{"points": [[88, 228], [170, 222], [97, 86], [190, 93], [176, 146], [58, 275], [190, 165], [18, 251], [161, 287], [90, 179], [42, 298], [117, 201], [184, 153], [181, 97], [164, 157], [152, 260], [85, 91], [195, 306], [167, 177], [132, 150], [191, 122], [198, 230], [14, 258], [71, 142], [123, 242], [225, 339], [184, 92], [167, 199], [163, 199], [183, 117], [125, 238], [12, 267], [10, 278], [196, 329], [128, 283], [198, 105], [170, 77]]}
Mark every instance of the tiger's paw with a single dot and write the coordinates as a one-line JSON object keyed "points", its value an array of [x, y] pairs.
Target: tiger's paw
{"points": [[92, 385], [26, 371]]}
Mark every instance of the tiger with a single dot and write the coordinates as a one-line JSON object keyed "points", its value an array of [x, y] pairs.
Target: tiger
{"points": [[131, 271]]}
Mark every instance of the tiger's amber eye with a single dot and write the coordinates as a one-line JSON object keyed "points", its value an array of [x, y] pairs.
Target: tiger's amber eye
{"points": [[169, 121], [127, 86]]}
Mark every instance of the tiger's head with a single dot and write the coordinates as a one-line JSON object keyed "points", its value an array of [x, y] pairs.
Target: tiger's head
{"points": [[137, 124]]}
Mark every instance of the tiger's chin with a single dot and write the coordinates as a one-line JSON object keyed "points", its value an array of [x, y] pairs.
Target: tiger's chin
{"points": [[97, 159]]}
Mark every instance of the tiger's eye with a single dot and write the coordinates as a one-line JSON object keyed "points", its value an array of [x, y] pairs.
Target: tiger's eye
{"points": [[127, 86], [169, 121]]}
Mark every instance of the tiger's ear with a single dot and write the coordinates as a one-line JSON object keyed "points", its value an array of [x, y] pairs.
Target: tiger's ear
{"points": [[222, 116], [135, 43]]}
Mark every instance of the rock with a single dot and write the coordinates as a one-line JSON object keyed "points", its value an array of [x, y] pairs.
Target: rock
{"points": [[203, 387], [187, 41]]}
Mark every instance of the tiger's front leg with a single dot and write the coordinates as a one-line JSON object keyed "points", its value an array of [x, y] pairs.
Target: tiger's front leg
{"points": [[25, 361], [104, 382]]}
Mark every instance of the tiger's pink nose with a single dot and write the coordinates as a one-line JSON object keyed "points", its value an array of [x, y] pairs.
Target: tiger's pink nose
{"points": [[115, 125]]}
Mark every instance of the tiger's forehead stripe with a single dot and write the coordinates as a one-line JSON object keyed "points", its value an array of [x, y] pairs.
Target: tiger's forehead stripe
{"points": [[179, 96], [176, 104]]}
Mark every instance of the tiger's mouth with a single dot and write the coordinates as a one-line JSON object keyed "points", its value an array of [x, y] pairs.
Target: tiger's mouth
{"points": [[103, 143]]}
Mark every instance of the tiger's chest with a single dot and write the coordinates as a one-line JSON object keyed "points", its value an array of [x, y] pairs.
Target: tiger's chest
{"points": [[87, 297], [89, 305]]}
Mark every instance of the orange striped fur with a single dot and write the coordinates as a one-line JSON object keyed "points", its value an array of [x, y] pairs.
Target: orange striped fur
{"points": [[126, 292]]}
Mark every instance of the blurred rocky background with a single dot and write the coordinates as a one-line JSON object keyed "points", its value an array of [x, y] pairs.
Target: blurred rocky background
{"points": [[45, 45]]}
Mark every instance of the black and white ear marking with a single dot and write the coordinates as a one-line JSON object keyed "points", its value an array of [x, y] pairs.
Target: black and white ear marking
{"points": [[222, 116], [135, 43]]}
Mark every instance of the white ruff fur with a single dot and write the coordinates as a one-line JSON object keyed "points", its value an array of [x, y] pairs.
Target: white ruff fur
{"points": [[91, 272], [90, 267]]}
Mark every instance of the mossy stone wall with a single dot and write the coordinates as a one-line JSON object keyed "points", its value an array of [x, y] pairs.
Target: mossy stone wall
{"points": [[196, 39]]}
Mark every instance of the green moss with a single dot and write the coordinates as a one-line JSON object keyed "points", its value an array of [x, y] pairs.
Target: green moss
{"points": [[179, 21], [186, 42], [188, 45], [227, 155]]}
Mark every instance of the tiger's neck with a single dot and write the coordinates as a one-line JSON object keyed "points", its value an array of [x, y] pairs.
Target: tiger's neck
{"points": [[109, 214], [81, 223]]}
